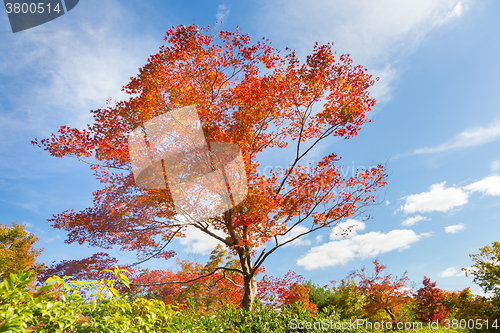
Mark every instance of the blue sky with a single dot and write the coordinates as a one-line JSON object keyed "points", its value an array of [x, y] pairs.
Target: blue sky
{"points": [[436, 123]]}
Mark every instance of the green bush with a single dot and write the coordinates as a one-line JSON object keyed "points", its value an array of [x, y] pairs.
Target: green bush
{"points": [[64, 305]]}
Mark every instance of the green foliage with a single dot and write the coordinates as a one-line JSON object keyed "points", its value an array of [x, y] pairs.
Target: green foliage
{"points": [[464, 305], [65, 305], [322, 297], [486, 268], [348, 301], [62, 305]]}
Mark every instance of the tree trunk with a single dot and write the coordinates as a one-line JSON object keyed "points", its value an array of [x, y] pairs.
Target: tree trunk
{"points": [[250, 292], [393, 318]]}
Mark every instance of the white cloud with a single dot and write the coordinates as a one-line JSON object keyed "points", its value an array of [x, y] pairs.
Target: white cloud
{"points": [[319, 239], [458, 10], [222, 14], [495, 165], [196, 241], [347, 229], [454, 228], [387, 203], [293, 233], [448, 272], [28, 224], [357, 246], [488, 186], [382, 89], [436, 199], [375, 33], [51, 239], [412, 220], [468, 138]]}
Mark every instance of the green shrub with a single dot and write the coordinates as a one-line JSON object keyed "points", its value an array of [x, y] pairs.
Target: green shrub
{"points": [[64, 305]]}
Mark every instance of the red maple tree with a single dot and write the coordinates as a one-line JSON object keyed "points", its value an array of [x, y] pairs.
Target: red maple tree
{"points": [[429, 302], [385, 294], [283, 291], [246, 94]]}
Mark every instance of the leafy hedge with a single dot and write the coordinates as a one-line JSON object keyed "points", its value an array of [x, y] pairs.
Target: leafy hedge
{"points": [[64, 305]]}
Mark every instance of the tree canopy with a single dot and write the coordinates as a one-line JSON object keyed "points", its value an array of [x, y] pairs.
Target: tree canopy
{"points": [[246, 94], [486, 268], [16, 250]]}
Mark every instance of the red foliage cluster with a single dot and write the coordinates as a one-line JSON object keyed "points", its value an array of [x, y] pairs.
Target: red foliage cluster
{"points": [[429, 301]]}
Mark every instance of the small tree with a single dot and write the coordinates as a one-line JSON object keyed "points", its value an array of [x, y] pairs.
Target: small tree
{"points": [[429, 302], [17, 251], [248, 96], [320, 296], [348, 300], [384, 294]]}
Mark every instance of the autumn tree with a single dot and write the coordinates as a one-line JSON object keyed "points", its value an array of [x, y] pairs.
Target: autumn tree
{"points": [[246, 94], [429, 301], [466, 305], [348, 300], [385, 294], [290, 289], [486, 272], [17, 251], [486, 268]]}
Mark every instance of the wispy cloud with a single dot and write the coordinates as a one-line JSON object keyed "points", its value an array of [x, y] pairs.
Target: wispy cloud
{"points": [[454, 228], [488, 186], [495, 165], [28, 224], [465, 139], [50, 239], [222, 14], [438, 198], [412, 220], [376, 33], [357, 246], [75, 69], [319, 239]]}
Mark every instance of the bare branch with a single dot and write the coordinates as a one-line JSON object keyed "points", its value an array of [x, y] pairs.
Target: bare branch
{"points": [[191, 280]]}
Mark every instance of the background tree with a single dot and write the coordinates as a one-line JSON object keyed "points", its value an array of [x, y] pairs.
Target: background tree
{"points": [[386, 295], [246, 94], [320, 296], [486, 272], [486, 268], [466, 305], [17, 251], [429, 303], [348, 300], [290, 289]]}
